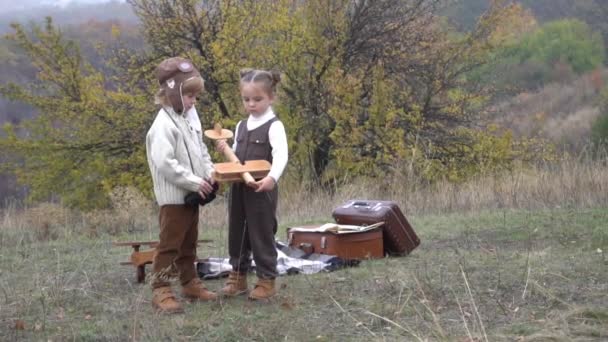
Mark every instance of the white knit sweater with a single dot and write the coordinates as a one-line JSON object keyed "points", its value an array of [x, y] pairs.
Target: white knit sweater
{"points": [[172, 172]]}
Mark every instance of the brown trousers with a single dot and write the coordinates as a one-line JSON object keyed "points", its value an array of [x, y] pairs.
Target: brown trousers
{"points": [[176, 250], [252, 227]]}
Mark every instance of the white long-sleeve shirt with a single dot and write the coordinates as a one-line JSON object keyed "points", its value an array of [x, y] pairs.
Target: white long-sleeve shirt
{"points": [[277, 138], [173, 174]]}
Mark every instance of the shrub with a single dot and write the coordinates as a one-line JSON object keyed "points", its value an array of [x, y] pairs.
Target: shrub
{"points": [[599, 130]]}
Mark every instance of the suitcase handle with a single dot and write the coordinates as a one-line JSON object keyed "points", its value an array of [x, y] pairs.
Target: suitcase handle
{"points": [[366, 206]]}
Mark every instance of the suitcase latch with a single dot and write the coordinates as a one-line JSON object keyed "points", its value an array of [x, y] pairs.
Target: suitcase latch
{"points": [[323, 242], [306, 247]]}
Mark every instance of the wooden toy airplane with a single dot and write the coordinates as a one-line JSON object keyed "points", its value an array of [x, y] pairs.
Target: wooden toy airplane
{"points": [[234, 170]]}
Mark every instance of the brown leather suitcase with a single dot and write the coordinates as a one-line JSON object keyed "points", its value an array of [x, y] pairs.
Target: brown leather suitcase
{"points": [[348, 246], [398, 235]]}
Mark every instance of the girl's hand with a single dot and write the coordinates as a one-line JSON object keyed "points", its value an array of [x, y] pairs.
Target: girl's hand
{"points": [[221, 145], [265, 184]]}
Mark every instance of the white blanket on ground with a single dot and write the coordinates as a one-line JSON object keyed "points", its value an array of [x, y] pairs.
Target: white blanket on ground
{"points": [[299, 262]]}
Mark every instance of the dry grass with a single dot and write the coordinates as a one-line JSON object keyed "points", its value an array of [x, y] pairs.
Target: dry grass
{"points": [[570, 182], [517, 257]]}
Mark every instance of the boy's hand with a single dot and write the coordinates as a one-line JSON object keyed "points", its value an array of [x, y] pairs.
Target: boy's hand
{"points": [[205, 188], [265, 184]]}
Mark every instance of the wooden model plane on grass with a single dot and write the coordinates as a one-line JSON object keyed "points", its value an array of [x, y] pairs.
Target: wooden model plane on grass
{"points": [[139, 259], [231, 171]]}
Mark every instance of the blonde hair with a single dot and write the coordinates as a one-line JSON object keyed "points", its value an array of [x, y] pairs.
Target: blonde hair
{"points": [[192, 86], [268, 79]]}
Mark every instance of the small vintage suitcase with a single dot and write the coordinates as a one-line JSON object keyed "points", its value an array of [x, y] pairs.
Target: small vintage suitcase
{"points": [[348, 246], [399, 236]]}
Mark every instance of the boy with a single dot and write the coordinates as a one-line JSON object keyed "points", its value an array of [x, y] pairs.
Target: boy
{"points": [[180, 165]]}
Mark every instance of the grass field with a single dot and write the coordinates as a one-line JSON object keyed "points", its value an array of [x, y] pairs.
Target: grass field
{"points": [[534, 270]]}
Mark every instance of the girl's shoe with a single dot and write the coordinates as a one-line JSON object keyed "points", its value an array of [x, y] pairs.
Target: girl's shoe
{"points": [[235, 285], [264, 289]]}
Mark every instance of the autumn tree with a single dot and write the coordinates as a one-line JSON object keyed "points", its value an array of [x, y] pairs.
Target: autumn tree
{"points": [[328, 46], [86, 139], [419, 106], [568, 41]]}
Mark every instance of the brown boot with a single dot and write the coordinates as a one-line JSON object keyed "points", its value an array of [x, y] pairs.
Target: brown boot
{"points": [[164, 300], [264, 289], [235, 285], [195, 290]]}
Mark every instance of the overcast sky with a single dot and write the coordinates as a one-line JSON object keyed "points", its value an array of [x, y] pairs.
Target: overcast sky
{"points": [[24, 5]]}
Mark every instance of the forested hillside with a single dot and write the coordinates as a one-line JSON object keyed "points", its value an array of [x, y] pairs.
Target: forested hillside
{"points": [[464, 13], [73, 13]]}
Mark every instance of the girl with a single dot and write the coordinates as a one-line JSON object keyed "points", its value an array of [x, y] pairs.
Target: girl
{"points": [[252, 209]]}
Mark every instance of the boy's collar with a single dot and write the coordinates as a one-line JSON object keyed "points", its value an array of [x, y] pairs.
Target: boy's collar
{"points": [[171, 111]]}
